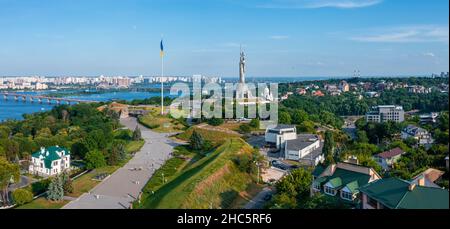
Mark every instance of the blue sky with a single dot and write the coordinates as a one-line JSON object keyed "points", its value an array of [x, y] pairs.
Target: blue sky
{"points": [[280, 37]]}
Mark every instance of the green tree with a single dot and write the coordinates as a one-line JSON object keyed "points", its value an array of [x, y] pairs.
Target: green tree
{"points": [[22, 196], [9, 173], [255, 123], [137, 135], [79, 150], [95, 159], [284, 201], [299, 116], [56, 189], [328, 148], [307, 127], [117, 153], [284, 118], [293, 189], [361, 136], [245, 128], [321, 201], [196, 141], [411, 142], [67, 183]]}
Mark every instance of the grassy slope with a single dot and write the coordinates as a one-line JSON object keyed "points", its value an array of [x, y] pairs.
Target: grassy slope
{"points": [[213, 181], [215, 137], [160, 123]]}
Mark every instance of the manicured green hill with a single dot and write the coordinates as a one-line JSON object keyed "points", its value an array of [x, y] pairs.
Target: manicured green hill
{"points": [[216, 137], [212, 182]]}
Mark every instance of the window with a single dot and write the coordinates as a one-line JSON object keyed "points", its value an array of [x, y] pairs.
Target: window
{"points": [[346, 195], [316, 186], [329, 191]]}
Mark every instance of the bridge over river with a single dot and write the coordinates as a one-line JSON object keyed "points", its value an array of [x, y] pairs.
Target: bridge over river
{"points": [[42, 99]]}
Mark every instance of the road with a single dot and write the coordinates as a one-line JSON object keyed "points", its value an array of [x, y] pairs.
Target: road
{"points": [[123, 187], [24, 181], [258, 201]]}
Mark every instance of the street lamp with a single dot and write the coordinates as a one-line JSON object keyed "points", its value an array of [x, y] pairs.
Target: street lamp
{"points": [[257, 165]]}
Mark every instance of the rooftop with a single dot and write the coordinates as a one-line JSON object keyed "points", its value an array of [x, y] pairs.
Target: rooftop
{"points": [[431, 174], [282, 126], [302, 141], [391, 153], [342, 178], [396, 194], [50, 154]]}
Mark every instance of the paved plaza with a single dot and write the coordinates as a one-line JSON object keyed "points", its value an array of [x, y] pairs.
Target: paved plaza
{"points": [[123, 187]]}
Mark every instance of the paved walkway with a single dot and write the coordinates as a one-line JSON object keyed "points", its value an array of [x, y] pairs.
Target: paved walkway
{"points": [[123, 187], [258, 202]]}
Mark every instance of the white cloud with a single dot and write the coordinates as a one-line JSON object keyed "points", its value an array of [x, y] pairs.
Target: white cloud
{"points": [[429, 54], [279, 37], [427, 33], [315, 4]]}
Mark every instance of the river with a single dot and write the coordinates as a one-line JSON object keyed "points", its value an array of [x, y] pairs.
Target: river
{"points": [[11, 109]]}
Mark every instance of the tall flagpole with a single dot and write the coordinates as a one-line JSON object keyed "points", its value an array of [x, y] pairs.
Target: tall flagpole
{"points": [[162, 82]]}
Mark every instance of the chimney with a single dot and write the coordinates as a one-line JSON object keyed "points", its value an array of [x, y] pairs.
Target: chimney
{"points": [[421, 181], [412, 187]]}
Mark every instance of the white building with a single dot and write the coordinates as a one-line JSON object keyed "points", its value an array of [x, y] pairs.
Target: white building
{"points": [[306, 148], [428, 118], [51, 161], [386, 113], [279, 134], [387, 159], [421, 135]]}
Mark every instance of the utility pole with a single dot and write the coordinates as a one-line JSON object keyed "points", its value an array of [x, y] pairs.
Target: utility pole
{"points": [[162, 75]]}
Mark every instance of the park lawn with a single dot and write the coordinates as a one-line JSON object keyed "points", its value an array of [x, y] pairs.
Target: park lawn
{"points": [[43, 203], [216, 137], [212, 180], [231, 126], [134, 146], [85, 183], [160, 123]]}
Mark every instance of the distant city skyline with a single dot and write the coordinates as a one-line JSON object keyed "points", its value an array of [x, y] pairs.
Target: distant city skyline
{"points": [[286, 38]]}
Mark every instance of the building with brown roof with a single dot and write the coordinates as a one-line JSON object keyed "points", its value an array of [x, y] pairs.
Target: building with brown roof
{"points": [[388, 158], [428, 178]]}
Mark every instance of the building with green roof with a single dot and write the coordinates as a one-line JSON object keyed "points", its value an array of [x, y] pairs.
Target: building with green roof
{"points": [[342, 181], [50, 161], [394, 193]]}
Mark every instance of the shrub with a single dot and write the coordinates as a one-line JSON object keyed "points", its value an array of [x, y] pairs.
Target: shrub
{"points": [[215, 121], [22, 196], [95, 159], [245, 129], [196, 141]]}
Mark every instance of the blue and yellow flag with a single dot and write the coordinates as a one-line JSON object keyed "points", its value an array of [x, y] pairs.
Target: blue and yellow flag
{"points": [[162, 49]]}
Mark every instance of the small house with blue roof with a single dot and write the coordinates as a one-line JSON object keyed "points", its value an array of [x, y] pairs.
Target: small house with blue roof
{"points": [[50, 161]]}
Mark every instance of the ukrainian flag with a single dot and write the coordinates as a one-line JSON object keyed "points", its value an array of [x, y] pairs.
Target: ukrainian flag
{"points": [[162, 49]]}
